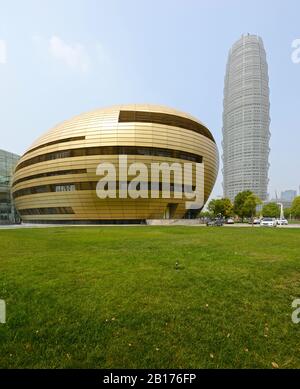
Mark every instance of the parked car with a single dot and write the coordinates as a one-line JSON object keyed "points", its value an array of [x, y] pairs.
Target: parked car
{"points": [[217, 222], [256, 221], [229, 221], [268, 222], [282, 222]]}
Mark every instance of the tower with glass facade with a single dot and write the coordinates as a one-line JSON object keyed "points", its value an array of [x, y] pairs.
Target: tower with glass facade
{"points": [[246, 119], [8, 163]]}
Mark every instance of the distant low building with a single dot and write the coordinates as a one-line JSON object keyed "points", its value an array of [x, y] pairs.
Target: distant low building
{"points": [[286, 198], [288, 195], [285, 203]]}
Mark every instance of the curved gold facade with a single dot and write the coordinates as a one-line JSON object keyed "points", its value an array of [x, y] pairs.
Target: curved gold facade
{"points": [[55, 180]]}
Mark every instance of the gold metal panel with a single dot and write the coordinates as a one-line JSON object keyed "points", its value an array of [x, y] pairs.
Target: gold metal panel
{"points": [[101, 128]]}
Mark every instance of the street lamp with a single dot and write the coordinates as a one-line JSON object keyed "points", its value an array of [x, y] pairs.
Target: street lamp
{"points": [[281, 210]]}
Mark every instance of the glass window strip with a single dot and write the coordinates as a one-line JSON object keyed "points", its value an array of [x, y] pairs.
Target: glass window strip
{"points": [[91, 185], [111, 150], [165, 118]]}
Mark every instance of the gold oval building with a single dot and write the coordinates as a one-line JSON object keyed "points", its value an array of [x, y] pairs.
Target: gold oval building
{"points": [[56, 178]]}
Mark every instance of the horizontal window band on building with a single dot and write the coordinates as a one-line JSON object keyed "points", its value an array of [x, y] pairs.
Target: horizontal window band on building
{"points": [[54, 142], [50, 174], [112, 150], [87, 221], [92, 185], [47, 211], [164, 118]]}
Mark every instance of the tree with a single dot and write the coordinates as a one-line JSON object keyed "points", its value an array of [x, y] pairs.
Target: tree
{"points": [[205, 214], [250, 205], [221, 207], [245, 204], [295, 209], [239, 201], [227, 207], [271, 210], [287, 212]]}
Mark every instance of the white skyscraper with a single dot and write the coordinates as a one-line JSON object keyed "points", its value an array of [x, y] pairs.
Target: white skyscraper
{"points": [[246, 119]]}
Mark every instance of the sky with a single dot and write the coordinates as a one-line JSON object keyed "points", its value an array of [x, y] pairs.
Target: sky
{"points": [[59, 58]]}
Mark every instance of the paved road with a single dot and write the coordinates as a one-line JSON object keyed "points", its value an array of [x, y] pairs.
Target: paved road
{"points": [[237, 225], [21, 226], [258, 226]]}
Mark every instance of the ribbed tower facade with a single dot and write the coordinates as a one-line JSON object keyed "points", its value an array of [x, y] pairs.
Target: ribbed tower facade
{"points": [[246, 119]]}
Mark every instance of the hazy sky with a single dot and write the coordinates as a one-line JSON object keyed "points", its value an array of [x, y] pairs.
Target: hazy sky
{"points": [[61, 58]]}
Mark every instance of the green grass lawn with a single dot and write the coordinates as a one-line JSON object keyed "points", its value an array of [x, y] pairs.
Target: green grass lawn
{"points": [[110, 297], [294, 221]]}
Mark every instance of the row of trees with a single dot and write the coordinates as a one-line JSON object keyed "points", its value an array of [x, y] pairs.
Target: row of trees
{"points": [[245, 205], [294, 211]]}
